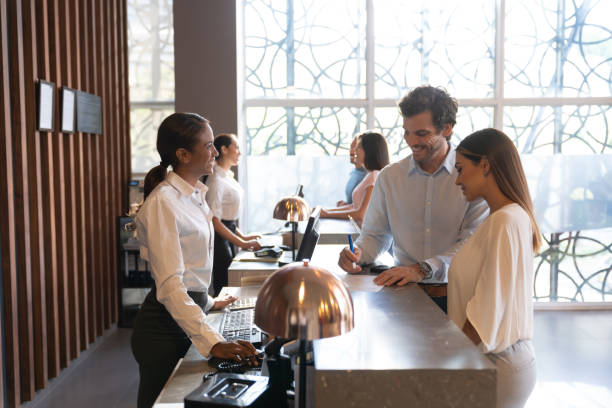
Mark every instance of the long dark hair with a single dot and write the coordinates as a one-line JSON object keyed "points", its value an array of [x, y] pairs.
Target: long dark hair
{"points": [[223, 140], [376, 152], [177, 131], [506, 168]]}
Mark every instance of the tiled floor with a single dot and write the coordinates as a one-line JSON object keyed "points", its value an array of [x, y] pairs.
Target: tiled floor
{"points": [[574, 352]]}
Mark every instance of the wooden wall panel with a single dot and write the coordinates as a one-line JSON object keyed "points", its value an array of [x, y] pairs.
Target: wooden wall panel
{"points": [[10, 357], [22, 202], [35, 198], [61, 192], [48, 189]]}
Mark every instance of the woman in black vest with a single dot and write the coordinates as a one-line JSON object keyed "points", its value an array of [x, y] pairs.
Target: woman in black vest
{"points": [[174, 227]]}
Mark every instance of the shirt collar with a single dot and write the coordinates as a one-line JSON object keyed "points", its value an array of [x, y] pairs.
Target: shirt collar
{"points": [[184, 187], [448, 163], [221, 171]]}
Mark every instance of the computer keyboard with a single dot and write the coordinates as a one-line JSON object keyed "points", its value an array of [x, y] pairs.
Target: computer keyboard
{"points": [[243, 303], [238, 325]]}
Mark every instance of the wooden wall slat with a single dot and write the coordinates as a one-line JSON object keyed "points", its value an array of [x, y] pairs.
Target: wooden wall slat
{"points": [[55, 46], [125, 121], [109, 163], [118, 206], [99, 197], [36, 199], [69, 174], [80, 288], [94, 174], [61, 192], [22, 202], [8, 238], [49, 230]]}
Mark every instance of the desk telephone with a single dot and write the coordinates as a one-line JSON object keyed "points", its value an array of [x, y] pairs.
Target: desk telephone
{"points": [[270, 388], [233, 366]]}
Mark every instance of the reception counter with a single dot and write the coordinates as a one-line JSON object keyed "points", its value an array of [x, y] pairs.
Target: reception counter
{"points": [[402, 352]]}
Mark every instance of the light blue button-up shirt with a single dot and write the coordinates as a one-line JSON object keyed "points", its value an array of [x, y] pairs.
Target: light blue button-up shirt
{"points": [[426, 216]]}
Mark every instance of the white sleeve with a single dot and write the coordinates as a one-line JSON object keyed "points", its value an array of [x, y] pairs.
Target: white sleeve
{"points": [[167, 268], [214, 196], [491, 310]]}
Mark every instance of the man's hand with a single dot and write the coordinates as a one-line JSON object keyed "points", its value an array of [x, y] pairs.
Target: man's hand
{"points": [[221, 302], [348, 260], [341, 203], [399, 276]]}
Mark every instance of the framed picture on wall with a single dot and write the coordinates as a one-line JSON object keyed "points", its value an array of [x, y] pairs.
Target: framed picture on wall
{"points": [[46, 99], [68, 101]]}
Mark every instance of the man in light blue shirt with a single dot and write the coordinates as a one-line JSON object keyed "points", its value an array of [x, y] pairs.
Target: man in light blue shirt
{"points": [[415, 202]]}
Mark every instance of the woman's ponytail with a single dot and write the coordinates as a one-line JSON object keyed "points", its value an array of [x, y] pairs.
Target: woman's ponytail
{"points": [[155, 176]]}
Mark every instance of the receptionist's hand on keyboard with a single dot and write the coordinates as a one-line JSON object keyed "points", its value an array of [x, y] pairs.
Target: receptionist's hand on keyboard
{"points": [[235, 350], [223, 301], [348, 260], [399, 276]]}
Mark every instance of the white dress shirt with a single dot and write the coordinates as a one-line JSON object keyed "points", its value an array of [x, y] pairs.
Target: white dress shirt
{"points": [[426, 216], [491, 278], [224, 194], [174, 228]]}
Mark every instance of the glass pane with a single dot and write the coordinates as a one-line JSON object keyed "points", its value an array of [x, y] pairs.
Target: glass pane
{"points": [[429, 42], [584, 267], [143, 131], [270, 180], [469, 119], [305, 49], [313, 131], [558, 48], [566, 129], [151, 50]]}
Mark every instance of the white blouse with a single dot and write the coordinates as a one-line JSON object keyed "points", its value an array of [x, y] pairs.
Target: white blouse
{"points": [[490, 280], [224, 194], [174, 228]]}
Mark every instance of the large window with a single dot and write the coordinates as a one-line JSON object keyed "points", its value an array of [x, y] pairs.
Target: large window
{"points": [[317, 72], [151, 59]]}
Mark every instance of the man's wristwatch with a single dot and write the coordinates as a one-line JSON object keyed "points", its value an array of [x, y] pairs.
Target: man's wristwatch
{"points": [[426, 269]]}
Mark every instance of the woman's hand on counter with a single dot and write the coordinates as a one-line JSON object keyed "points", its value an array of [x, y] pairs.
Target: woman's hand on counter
{"points": [[235, 350], [250, 245], [223, 301]]}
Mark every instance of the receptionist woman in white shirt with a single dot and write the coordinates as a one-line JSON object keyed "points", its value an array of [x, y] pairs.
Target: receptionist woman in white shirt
{"points": [[490, 279], [225, 198], [174, 227], [372, 154]]}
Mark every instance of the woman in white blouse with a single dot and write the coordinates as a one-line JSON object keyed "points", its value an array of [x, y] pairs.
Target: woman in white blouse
{"points": [[490, 279], [174, 227], [225, 198], [372, 154]]}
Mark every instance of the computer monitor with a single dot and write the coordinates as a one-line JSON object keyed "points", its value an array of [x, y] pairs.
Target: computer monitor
{"points": [[310, 238]]}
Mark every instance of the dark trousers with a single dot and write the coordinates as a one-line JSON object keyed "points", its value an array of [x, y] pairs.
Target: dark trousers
{"points": [[222, 259], [158, 343]]}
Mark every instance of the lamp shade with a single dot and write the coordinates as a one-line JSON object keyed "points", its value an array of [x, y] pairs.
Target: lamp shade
{"points": [[291, 208], [300, 301]]}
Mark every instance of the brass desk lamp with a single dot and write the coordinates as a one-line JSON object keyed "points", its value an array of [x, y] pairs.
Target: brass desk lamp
{"points": [[304, 302], [292, 209]]}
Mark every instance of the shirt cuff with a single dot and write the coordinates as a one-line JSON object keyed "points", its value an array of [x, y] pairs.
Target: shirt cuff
{"points": [[205, 342], [438, 268], [210, 303]]}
